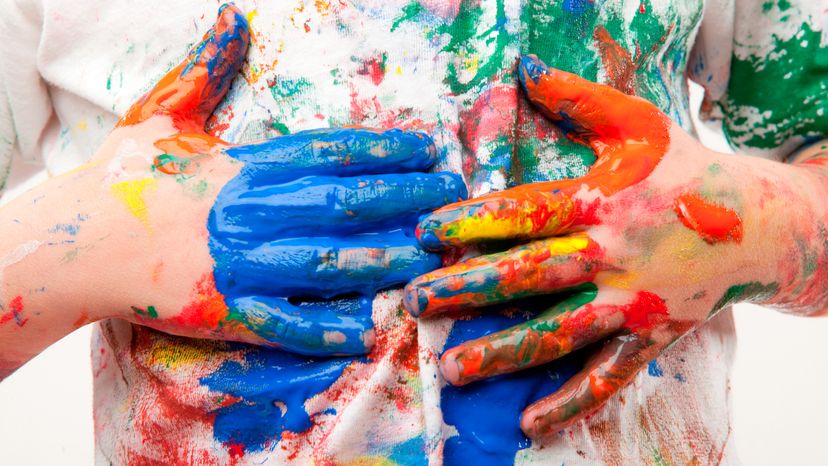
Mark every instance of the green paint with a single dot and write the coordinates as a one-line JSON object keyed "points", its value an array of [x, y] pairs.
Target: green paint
{"points": [[473, 39], [754, 292], [280, 127], [409, 13], [282, 87], [784, 91], [714, 169], [150, 312], [183, 163]]}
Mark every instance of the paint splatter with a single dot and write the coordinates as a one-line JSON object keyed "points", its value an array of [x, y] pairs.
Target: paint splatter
{"points": [[131, 193], [714, 223], [15, 312]]}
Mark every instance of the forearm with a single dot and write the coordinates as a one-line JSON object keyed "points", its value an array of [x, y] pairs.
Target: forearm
{"points": [[45, 278], [803, 222]]}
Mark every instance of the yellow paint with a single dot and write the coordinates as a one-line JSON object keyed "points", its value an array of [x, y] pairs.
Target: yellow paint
{"points": [[567, 244], [619, 280], [252, 15], [176, 356], [495, 225], [131, 194], [399, 70], [82, 125]]}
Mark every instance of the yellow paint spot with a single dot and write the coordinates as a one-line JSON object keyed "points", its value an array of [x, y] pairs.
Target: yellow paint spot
{"points": [[174, 356], [399, 70], [252, 15], [82, 125], [620, 280], [567, 244], [131, 194]]}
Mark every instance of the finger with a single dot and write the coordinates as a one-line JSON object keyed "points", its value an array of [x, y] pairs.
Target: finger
{"points": [[611, 369], [326, 267], [191, 91], [534, 210], [338, 151], [333, 205], [540, 267], [592, 113], [554, 334], [323, 332]]}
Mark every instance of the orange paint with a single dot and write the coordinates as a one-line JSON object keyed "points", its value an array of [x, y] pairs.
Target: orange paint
{"points": [[207, 309], [629, 135], [714, 223]]}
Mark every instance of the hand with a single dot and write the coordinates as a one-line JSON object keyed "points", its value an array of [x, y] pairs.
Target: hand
{"points": [[175, 229], [658, 236]]}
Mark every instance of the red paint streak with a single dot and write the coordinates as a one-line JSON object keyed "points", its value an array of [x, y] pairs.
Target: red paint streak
{"points": [[647, 310], [714, 223], [207, 310], [642, 8], [618, 62], [14, 313], [375, 68]]}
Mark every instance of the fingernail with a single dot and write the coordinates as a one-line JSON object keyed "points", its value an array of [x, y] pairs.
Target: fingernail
{"points": [[532, 67], [451, 369], [369, 339], [415, 300], [426, 236]]}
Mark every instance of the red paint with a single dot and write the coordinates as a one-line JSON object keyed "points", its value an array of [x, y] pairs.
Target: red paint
{"points": [[374, 68], [714, 223], [14, 313], [647, 310], [642, 8], [207, 310], [617, 61]]}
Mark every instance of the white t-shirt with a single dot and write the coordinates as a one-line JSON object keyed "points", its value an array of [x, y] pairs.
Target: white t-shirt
{"points": [[69, 69]]}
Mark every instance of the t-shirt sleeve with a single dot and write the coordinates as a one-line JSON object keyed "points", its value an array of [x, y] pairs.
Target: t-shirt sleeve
{"points": [[25, 106], [765, 72]]}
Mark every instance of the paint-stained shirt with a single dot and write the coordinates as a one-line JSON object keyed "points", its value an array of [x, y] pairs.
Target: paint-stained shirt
{"points": [[448, 68]]}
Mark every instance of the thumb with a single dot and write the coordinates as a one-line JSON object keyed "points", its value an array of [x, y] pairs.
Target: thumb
{"points": [[591, 113], [191, 91]]}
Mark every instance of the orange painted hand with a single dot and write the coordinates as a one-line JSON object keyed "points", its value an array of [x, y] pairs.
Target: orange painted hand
{"points": [[658, 236]]}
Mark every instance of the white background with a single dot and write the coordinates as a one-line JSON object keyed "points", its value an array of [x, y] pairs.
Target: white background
{"points": [[779, 390]]}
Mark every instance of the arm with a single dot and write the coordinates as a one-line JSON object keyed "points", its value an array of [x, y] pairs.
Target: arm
{"points": [[175, 229], [659, 236]]}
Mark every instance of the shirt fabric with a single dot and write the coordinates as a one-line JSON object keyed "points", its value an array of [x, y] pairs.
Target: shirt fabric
{"points": [[447, 68]]}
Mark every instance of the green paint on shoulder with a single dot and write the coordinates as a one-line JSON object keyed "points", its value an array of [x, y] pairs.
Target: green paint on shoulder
{"points": [[746, 293], [775, 97], [409, 13]]}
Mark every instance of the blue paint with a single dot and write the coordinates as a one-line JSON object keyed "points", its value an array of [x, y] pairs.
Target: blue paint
{"points": [[410, 453], [680, 377], [487, 413], [272, 387], [330, 205], [303, 238], [322, 214], [341, 152], [71, 229], [654, 369]]}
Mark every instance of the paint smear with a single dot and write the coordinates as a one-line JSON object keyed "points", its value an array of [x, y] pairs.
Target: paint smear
{"points": [[131, 194], [714, 223]]}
